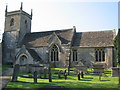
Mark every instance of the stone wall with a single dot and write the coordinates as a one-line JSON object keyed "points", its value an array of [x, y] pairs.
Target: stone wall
{"points": [[44, 53], [109, 57], [9, 45], [16, 22], [85, 55]]}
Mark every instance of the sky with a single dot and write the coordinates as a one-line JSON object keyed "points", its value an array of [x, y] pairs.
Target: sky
{"points": [[87, 15]]}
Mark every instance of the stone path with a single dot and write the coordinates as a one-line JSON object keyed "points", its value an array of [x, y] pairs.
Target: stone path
{"points": [[5, 78]]}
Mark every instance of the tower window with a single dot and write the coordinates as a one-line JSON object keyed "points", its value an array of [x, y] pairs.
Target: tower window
{"points": [[100, 55], [12, 22], [74, 55], [26, 23]]}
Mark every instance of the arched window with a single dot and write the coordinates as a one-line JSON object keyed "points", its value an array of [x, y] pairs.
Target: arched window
{"points": [[23, 60], [54, 53], [100, 55], [12, 22], [74, 55], [26, 23]]}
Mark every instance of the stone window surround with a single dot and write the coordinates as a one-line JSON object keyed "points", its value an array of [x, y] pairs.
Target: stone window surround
{"points": [[100, 55], [12, 22], [21, 56], [56, 52], [74, 53]]}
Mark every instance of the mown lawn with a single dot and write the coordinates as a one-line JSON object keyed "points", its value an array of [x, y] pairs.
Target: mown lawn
{"points": [[90, 80]]}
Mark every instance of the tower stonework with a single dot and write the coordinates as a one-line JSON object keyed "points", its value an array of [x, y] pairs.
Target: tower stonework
{"points": [[17, 24]]}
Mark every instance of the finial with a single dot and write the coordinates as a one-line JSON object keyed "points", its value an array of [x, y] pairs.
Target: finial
{"points": [[21, 6], [74, 28], [6, 10], [31, 12]]}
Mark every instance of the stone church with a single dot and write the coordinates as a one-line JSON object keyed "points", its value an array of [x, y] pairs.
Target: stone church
{"points": [[58, 48]]}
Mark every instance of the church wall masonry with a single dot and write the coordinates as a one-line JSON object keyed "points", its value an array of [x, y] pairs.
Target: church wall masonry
{"points": [[84, 55]]}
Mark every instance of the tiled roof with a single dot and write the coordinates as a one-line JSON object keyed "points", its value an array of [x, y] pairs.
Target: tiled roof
{"points": [[34, 54], [94, 39], [41, 38]]}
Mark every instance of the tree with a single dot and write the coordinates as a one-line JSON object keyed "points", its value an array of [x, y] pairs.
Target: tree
{"points": [[117, 45]]}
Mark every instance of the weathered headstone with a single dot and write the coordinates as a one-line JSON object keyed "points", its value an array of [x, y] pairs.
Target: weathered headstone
{"points": [[64, 72], [50, 77], [59, 74], [79, 76], [50, 74], [45, 73], [65, 75], [68, 70], [15, 72], [82, 74], [100, 75], [35, 77]]}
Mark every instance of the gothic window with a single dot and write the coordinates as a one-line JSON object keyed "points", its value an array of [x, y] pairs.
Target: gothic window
{"points": [[54, 53], [26, 23], [100, 55], [74, 55], [12, 22]]}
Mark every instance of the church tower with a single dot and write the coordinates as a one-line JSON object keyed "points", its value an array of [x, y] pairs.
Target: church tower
{"points": [[17, 24]]}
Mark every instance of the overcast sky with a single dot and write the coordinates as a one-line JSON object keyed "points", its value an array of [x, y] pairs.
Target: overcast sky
{"points": [[63, 14]]}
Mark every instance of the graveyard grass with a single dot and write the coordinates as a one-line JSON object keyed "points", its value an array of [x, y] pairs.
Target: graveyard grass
{"points": [[90, 80]]}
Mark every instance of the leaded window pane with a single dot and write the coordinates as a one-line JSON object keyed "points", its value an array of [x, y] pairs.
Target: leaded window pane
{"points": [[54, 53]]}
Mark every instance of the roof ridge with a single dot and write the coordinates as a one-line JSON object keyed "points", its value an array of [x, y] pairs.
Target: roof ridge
{"points": [[96, 31], [51, 31]]}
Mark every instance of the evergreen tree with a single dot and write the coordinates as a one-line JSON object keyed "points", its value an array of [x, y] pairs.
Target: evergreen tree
{"points": [[118, 47]]}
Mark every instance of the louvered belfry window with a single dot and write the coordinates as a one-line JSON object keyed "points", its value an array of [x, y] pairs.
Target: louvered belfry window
{"points": [[12, 22]]}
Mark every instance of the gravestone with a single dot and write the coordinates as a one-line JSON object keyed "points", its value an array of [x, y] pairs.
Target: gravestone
{"points": [[15, 72], [50, 77], [50, 74], [45, 73], [49, 70], [79, 76], [82, 74], [65, 75], [59, 74], [100, 75], [68, 70], [64, 72], [35, 77]]}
